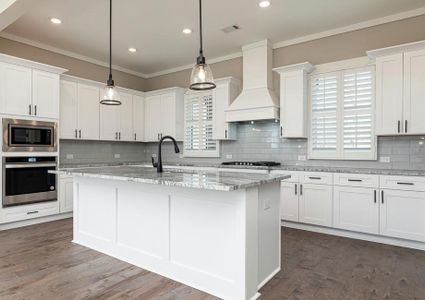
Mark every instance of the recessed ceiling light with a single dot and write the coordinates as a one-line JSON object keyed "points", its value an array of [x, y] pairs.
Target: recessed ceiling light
{"points": [[132, 50], [264, 4], [55, 20], [187, 31]]}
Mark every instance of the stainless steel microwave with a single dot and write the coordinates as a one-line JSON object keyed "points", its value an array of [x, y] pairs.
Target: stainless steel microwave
{"points": [[29, 136]]}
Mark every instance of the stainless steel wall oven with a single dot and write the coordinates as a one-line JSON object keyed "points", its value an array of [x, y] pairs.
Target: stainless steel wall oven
{"points": [[26, 180]]}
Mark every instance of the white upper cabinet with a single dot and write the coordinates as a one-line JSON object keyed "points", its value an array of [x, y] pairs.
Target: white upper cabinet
{"points": [[139, 118], [414, 92], [164, 114], [16, 90], [109, 122], [223, 95], [400, 89], [293, 99], [45, 94], [68, 110], [28, 89], [389, 94], [88, 111], [125, 129]]}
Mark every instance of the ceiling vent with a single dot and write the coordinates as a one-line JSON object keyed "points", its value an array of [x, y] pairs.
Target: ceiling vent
{"points": [[230, 29]]}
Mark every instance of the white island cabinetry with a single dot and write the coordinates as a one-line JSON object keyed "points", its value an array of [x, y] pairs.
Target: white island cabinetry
{"points": [[216, 231]]}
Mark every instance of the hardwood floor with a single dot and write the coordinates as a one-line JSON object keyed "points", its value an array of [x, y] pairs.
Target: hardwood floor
{"points": [[40, 262]]}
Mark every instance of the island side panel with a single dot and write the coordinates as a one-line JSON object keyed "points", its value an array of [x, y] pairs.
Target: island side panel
{"points": [[269, 232], [202, 238]]}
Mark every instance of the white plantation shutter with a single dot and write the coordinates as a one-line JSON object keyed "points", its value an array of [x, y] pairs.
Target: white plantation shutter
{"points": [[198, 113], [342, 115], [324, 96]]}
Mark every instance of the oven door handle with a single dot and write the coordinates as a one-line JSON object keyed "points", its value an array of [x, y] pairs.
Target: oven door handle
{"points": [[31, 165]]}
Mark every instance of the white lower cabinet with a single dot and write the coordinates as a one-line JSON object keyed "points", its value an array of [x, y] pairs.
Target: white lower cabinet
{"points": [[402, 214], [289, 209], [66, 194], [316, 204], [356, 209], [27, 212]]}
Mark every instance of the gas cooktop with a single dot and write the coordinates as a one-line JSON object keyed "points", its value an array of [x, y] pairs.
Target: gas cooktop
{"points": [[251, 163]]}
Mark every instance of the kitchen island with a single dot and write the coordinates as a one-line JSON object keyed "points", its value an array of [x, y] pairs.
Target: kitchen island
{"points": [[215, 231]]}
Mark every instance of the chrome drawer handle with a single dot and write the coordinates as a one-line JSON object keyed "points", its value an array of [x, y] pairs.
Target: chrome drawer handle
{"points": [[32, 212], [405, 183], [355, 180], [315, 178]]}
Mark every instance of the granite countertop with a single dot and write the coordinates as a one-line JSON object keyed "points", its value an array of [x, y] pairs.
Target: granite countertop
{"points": [[209, 180], [279, 168]]}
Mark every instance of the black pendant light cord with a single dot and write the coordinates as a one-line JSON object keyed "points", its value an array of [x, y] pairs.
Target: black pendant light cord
{"points": [[201, 59], [110, 81]]}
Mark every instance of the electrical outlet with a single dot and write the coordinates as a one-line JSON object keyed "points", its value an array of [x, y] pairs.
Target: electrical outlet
{"points": [[117, 155], [229, 156], [181, 156], [154, 155], [384, 159], [266, 205], [70, 156], [302, 157]]}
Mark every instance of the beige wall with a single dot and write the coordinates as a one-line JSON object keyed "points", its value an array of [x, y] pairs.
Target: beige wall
{"points": [[333, 48], [76, 67]]}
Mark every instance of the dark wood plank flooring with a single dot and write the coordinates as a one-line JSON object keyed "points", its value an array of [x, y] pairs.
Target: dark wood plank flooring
{"points": [[40, 262]]}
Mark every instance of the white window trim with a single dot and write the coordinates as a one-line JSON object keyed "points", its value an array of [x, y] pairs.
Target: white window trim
{"points": [[340, 153], [200, 153]]}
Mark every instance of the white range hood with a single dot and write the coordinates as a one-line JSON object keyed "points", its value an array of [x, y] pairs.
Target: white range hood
{"points": [[257, 100]]}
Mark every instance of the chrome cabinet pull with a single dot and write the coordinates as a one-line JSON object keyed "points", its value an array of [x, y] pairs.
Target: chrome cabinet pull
{"points": [[76, 134], [135, 137], [405, 126], [29, 109], [405, 183], [296, 189], [301, 189], [315, 178], [281, 130], [35, 110], [399, 126], [382, 197], [79, 132], [225, 134], [32, 212], [355, 180], [119, 135], [374, 196]]}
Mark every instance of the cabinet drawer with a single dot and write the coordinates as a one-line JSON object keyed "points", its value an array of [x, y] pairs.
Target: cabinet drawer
{"points": [[356, 180], [294, 175], [407, 183], [26, 212], [316, 178]]}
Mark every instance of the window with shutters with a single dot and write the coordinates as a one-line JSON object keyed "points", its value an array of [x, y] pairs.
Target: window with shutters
{"points": [[198, 126], [342, 115]]}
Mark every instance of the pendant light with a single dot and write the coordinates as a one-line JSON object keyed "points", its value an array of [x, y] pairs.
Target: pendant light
{"points": [[110, 94], [201, 77]]}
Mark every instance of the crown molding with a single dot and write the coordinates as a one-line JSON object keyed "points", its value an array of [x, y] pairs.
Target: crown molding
{"points": [[353, 27], [29, 42], [281, 44]]}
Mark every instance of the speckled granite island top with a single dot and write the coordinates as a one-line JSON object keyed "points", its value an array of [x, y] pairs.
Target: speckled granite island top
{"points": [[218, 181]]}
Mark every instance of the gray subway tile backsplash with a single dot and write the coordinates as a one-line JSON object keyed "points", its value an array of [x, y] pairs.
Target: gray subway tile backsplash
{"points": [[257, 141]]}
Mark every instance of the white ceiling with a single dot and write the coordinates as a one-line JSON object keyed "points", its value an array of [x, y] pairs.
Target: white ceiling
{"points": [[154, 27]]}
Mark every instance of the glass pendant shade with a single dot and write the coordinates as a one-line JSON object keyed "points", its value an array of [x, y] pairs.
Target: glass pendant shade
{"points": [[110, 96], [201, 77]]}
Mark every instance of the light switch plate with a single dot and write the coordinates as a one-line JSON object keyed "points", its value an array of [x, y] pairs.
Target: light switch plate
{"points": [[229, 156], [302, 157], [70, 156], [154, 155], [117, 155], [384, 159]]}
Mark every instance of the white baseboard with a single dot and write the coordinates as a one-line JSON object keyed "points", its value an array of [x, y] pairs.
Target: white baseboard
{"points": [[356, 235], [35, 221]]}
